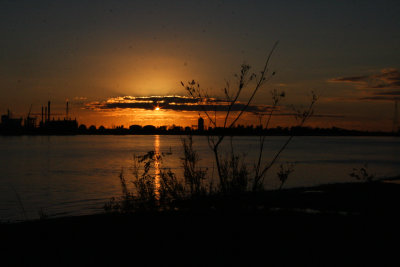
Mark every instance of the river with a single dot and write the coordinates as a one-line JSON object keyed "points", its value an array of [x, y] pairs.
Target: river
{"points": [[76, 175]]}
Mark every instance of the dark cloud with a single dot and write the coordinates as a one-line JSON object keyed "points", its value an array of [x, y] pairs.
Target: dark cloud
{"points": [[387, 79], [380, 98], [314, 115], [179, 103], [158, 99], [349, 79], [383, 86], [388, 93], [384, 96], [183, 103]]}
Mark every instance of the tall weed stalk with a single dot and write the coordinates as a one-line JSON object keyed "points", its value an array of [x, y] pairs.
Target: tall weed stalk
{"points": [[232, 174]]}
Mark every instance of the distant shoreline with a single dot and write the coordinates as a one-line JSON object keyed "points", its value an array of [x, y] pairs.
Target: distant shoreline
{"points": [[197, 134], [204, 133]]}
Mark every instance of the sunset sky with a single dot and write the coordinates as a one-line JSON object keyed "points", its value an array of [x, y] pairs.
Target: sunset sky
{"points": [[110, 58]]}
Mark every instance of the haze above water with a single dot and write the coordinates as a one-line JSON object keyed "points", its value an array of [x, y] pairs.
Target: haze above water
{"points": [[74, 175]]}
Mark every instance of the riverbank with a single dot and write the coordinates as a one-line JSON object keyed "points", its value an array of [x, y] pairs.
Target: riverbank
{"points": [[343, 224], [240, 130]]}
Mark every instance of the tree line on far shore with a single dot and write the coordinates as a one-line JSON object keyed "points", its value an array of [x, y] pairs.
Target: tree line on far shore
{"points": [[238, 130], [179, 130]]}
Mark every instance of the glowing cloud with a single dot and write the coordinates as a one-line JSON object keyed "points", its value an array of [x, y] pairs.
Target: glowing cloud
{"points": [[177, 103]]}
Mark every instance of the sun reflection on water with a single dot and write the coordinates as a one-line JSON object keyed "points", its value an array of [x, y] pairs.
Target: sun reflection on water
{"points": [[157, 163]]}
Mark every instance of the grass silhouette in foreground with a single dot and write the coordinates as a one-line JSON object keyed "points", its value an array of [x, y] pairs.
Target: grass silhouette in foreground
{"points": [[235, 177], [348, 224], [195, 194]]}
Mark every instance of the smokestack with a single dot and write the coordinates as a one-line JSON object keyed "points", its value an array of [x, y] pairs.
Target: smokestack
{"points": [[67, 111], [45, 113], [48, 112], [42, 114]]}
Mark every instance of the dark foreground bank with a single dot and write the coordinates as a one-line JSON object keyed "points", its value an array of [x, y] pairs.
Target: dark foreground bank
{"points": [[343, 224]]}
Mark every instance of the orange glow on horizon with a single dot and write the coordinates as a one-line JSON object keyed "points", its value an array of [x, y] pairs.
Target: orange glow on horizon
{"points": [[165, 117]]}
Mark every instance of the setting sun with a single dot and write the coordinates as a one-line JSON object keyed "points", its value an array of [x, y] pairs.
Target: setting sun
{"points": [[166, 122]]}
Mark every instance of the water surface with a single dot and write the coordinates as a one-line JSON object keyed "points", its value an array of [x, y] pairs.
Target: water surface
{"points": [[73, 175]]}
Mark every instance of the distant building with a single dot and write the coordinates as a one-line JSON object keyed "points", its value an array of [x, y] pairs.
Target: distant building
{"points": [[52, 126], [61, 126], [10, 124], [30, 123], [200, 124]]}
